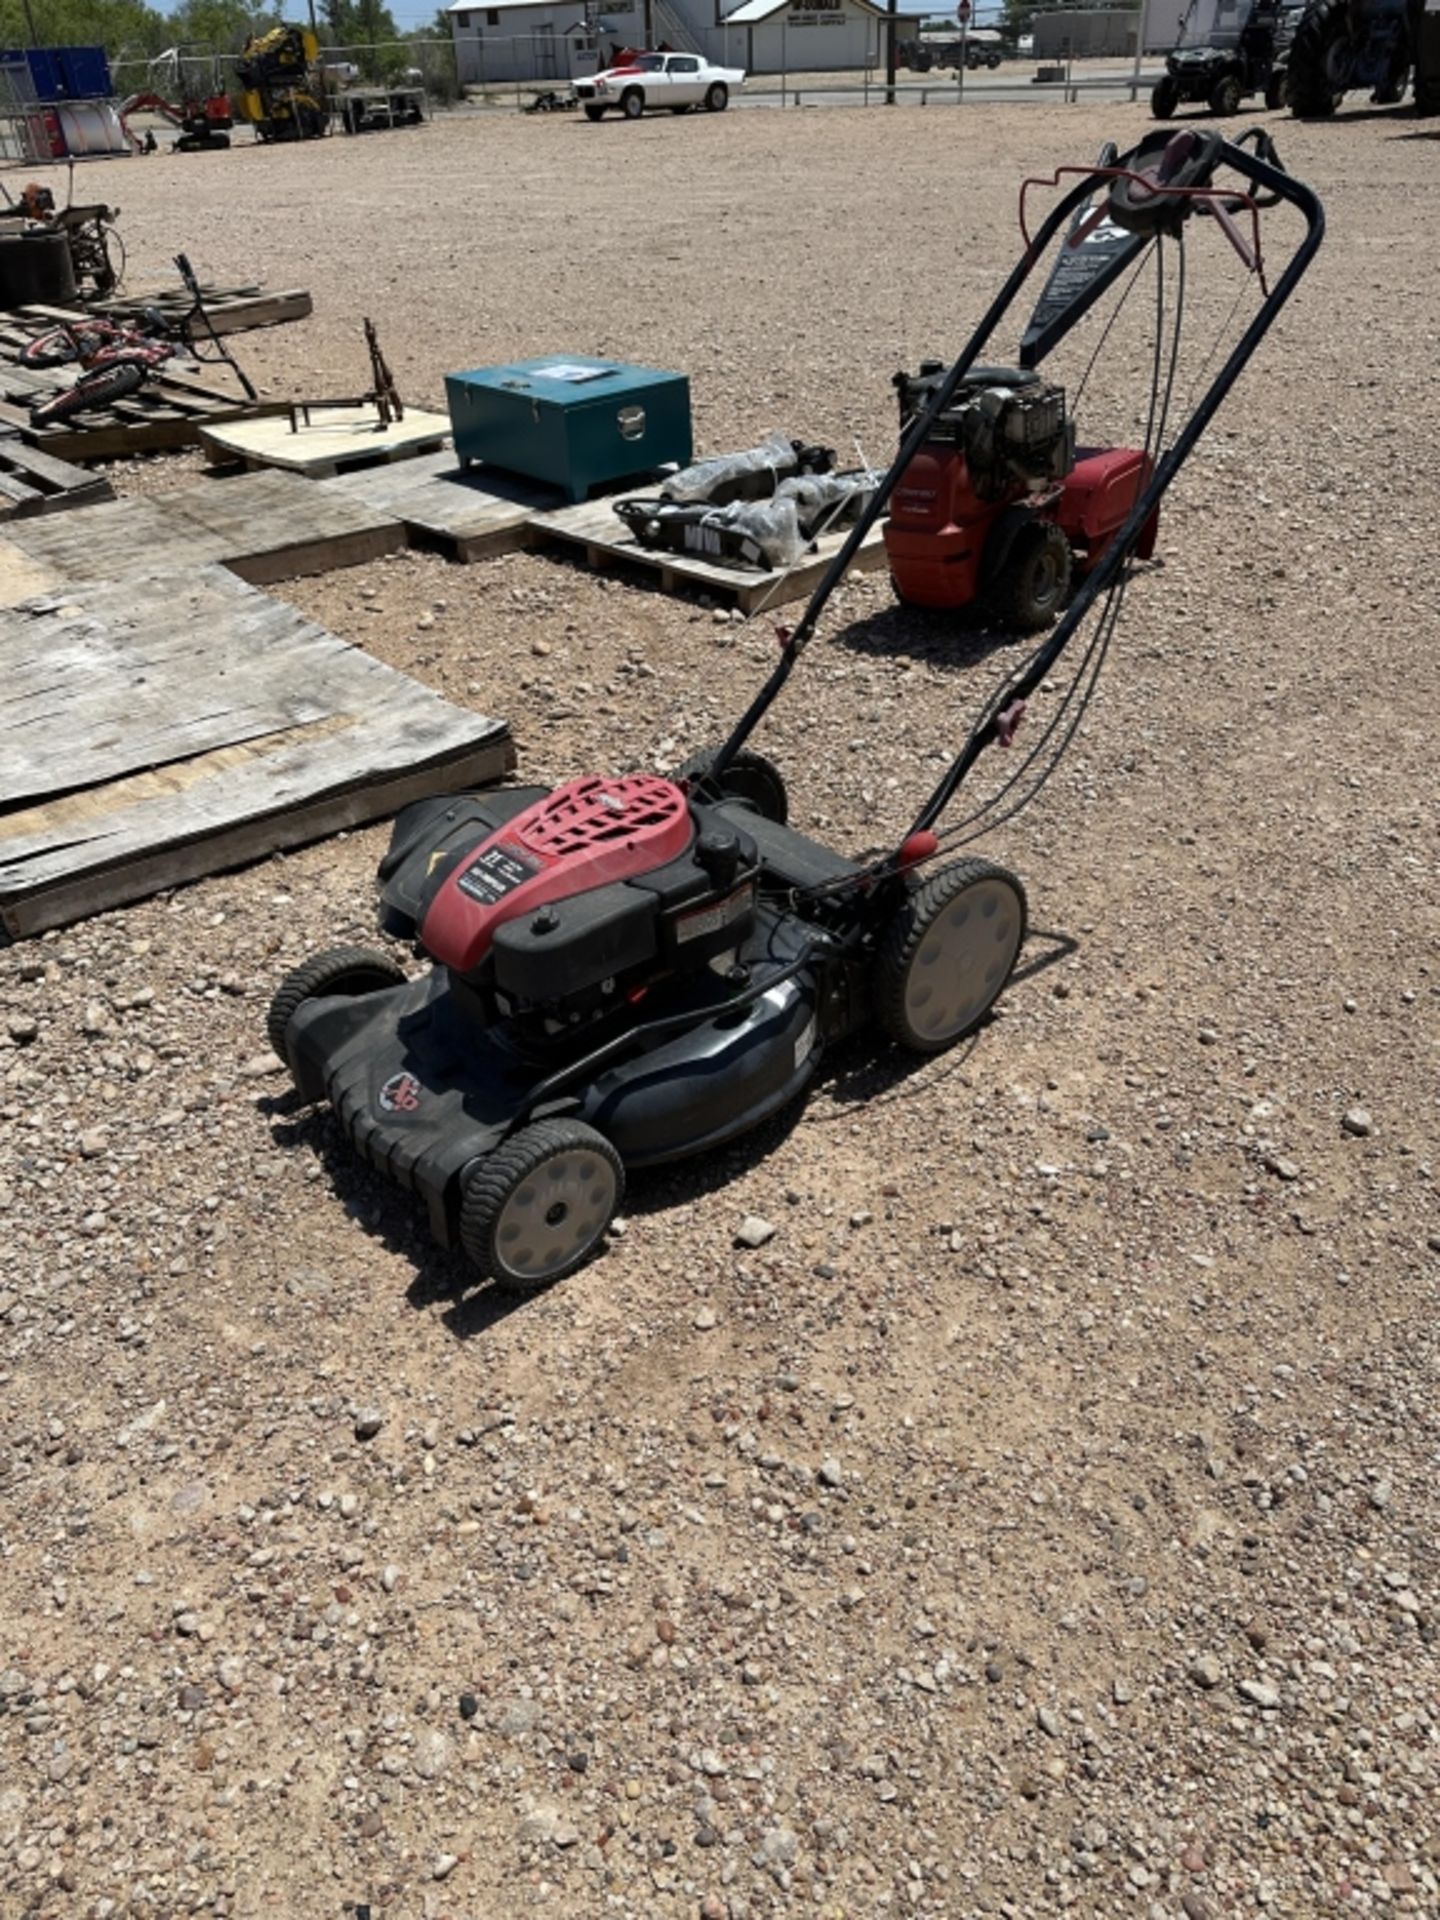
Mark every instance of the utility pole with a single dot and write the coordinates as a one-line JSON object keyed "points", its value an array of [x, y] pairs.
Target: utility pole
{"points": [[30, 22], [890, 22]]}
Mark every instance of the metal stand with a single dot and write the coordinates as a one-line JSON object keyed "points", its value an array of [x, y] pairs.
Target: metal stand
{"points": [[384, 395]]}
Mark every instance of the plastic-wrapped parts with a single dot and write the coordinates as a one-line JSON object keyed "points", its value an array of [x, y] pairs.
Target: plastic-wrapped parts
{"points": [[752, 475], [826, 501]]}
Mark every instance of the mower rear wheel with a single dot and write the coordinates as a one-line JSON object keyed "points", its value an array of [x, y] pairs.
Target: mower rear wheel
{"points": [[1165, 97], [1031, 586], [537, 1208], [948, 953], [749, 778], [347, 971]]}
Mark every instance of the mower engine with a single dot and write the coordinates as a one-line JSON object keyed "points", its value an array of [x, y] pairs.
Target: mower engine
{"points": [[553, 908], [996, 503]]}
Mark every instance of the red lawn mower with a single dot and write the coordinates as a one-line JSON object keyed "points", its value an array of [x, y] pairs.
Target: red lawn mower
{"points": [[624, 971]]}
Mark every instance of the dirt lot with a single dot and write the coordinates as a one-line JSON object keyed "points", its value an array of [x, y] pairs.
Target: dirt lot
{"points": [[1044, 1520]]}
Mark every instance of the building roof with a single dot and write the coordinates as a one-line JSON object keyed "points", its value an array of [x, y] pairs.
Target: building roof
{"points": [[497, 6], [751, 12]]}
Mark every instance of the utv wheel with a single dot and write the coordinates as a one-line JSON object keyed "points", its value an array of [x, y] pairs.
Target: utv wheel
{"points": [[632, 103], [749, 778], [948, 954], [718, 98], [348, 971], [1165, 98], [1031, 586], [538, 1207], [594, 113], [1225, 98]]}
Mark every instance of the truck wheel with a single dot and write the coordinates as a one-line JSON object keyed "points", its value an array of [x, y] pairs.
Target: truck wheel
{"points": [[947, 954], [632, 103], [594, 113], [1031, 586], [348, 971], [1225, 97], [750, 777], [718, 98], [538, 1206], [1165, 98]]}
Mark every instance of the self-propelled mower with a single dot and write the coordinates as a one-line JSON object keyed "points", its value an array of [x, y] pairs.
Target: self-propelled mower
{"points": [[629, 970]]}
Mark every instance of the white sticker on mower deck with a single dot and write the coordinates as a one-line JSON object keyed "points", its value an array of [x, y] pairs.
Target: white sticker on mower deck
{"points": [[805, 1044], [694, 926]]}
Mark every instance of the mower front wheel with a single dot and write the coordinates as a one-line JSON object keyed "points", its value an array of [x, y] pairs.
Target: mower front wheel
{"points": [[1030, 588], [538, 1206], [346, 971], [948, 953], [749, 778]]}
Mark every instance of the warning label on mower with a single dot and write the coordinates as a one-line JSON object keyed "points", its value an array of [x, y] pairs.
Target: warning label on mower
{"points": [[694, 926], [494, 873]]}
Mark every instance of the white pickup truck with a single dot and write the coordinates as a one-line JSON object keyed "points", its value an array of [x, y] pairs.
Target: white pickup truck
{"points": [[651, 81]]}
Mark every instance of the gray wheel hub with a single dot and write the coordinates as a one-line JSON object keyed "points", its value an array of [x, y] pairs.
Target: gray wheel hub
{"points": [[964, 960], [555, 1213]]}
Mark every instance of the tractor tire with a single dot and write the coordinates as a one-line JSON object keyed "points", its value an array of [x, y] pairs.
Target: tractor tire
{"points": [[1320, 60], [538, 1206], [92, 390], [750, 778], [1225, 97], [594, 113], [948, 953], [1165, 98], [718, 98], [1030, 588], [632, 103], [346, 971], [1277, 91]]}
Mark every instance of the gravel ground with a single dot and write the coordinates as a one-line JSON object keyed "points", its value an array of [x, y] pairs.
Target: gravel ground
{"points": [[1043, 1519]]}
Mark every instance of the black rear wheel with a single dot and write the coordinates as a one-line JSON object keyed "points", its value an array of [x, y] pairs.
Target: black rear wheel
{"points": [[1225, 97], [749, 778], [946, 956], [1320, 60], [1032, 583], [347, 971], [538, 1206], [594, 113]]}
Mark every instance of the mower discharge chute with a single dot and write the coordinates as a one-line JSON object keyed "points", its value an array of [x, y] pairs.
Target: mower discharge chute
{"points": [[626, 971]]}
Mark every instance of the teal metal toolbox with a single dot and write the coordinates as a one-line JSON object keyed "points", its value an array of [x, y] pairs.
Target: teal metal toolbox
{"points": [[577, 422]]}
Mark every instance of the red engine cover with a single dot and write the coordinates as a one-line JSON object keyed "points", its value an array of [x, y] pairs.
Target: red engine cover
{"points": [[936, 532], [585, 834], [1102, 487]]}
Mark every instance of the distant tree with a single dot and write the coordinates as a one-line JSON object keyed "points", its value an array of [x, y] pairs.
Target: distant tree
{"points": [[117, 25], [223, 24]]}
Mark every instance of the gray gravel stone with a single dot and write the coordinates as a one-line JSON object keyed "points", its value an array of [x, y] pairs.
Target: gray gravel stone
{"points": [[754, 1231], [1358, 1122]]}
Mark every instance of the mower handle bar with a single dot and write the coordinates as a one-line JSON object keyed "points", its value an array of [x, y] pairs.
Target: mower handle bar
{"points": [[1265, 173]]}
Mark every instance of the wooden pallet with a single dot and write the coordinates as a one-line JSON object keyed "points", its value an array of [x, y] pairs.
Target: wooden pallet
{"points": [[595, 526], [229, 309], [262, 526], [33, 482], [158, 731], [335, 440], [167, 413], [469, 514]]}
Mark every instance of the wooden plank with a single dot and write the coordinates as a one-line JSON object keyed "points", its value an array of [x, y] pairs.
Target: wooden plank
{"points": [[229, 310], [594, 526], [201, 724], [336, 437], [469, 513], [263, 526]]}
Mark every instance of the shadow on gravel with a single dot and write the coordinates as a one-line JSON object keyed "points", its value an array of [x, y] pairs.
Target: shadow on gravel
{"points": [[947, 638], [857, 1074]]}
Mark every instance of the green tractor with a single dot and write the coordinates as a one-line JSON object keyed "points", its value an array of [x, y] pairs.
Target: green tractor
{"points": [[1340, 45], [1427, 58]]}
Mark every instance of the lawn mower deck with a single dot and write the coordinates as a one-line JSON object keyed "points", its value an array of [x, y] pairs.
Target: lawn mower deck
{"points": [[631, 969]]}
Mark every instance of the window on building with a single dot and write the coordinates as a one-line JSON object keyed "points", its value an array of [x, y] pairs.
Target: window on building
{"points": [[492, 16]]}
